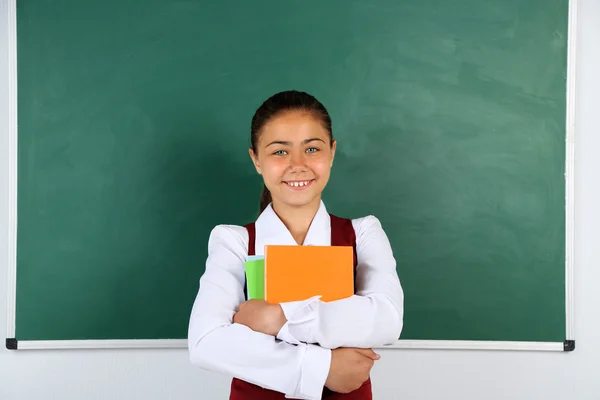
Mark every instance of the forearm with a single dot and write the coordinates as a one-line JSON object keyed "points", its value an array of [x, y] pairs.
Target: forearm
{"points": [[358, 321], [298, 371]]}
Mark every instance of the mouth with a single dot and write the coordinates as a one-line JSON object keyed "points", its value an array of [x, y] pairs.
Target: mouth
{"points": [[299, 185]]}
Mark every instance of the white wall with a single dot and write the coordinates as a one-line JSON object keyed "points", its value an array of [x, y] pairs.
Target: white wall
{"points": [[400, 374]]}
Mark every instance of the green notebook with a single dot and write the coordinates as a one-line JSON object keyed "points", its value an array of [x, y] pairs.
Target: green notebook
{"points": [[255, 277]]}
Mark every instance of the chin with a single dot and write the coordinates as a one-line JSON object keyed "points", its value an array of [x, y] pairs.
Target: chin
{"points": [[298, 202]]}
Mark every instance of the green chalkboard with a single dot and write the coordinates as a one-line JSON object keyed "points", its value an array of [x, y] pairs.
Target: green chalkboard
{"points": [[133, 129]]}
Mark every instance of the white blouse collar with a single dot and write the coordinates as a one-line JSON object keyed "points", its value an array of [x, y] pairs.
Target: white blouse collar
{"points": [[271, 230]]}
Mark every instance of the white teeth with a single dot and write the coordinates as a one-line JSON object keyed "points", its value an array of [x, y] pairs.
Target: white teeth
{"points": [[298, 184]]}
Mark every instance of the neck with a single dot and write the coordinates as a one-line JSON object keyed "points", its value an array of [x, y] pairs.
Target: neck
{"points": [[297, 219]]}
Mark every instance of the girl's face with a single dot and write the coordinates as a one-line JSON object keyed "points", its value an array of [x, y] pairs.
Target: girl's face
{"points": [[294, 156]]}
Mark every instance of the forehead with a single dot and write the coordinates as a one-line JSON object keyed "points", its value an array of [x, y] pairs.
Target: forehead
{"points": [[293, 126]]}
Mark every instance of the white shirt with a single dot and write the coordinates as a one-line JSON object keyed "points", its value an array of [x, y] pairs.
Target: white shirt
{"points": [[297, 361]]}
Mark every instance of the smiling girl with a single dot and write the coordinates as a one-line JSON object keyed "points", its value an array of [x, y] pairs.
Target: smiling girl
{"points": [[306, 349]]}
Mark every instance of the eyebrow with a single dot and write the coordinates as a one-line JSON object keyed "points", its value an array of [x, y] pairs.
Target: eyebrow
{"points": [[285, 143]]}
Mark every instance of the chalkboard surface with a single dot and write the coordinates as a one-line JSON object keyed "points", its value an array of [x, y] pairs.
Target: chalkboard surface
{"points": [[133, 129]]}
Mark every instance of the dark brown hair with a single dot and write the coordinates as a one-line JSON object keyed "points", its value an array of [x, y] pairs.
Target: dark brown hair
{"points": [[291, 100]]}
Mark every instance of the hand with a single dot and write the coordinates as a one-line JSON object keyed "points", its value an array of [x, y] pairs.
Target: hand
{"points": [[260, 316], [350, 368]]}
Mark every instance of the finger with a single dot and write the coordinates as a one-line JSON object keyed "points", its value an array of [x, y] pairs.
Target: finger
{"points": [[369, 353]]}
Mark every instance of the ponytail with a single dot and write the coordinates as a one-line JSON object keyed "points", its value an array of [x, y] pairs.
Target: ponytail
{"points": [[265, 199]]}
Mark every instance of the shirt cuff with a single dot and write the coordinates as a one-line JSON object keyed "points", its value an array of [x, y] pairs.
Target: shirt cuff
{"points": [[301, 320], [315, 370]]}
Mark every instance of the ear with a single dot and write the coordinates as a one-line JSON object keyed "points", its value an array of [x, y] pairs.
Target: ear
{"points": [[333, 147], [254, 158]]}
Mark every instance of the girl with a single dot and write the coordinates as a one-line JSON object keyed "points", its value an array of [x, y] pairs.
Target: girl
{"points": [[307, 349]]}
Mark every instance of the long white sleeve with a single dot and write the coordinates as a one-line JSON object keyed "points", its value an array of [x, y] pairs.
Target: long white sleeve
{"points": [[371, 318], [217, 344]]}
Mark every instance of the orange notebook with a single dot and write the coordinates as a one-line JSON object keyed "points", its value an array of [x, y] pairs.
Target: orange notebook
{"points": [[294, 273]]}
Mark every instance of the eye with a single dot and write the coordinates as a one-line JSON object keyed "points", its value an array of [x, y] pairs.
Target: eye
{"points": [[279, 152], [312, 149]]}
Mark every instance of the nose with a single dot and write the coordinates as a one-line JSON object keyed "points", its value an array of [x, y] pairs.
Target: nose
{"points": [[297, 160]]}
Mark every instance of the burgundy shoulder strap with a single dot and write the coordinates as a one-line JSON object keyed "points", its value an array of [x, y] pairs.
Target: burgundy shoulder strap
{"points": [[251, 249], [251, 238], [342, 233]]}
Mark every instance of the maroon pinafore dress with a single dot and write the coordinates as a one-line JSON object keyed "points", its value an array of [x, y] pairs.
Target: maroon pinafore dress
{"points": [[342, 234]]}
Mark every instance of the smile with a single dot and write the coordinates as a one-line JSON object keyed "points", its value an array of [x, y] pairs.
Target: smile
{"points": [[299, 184]]}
